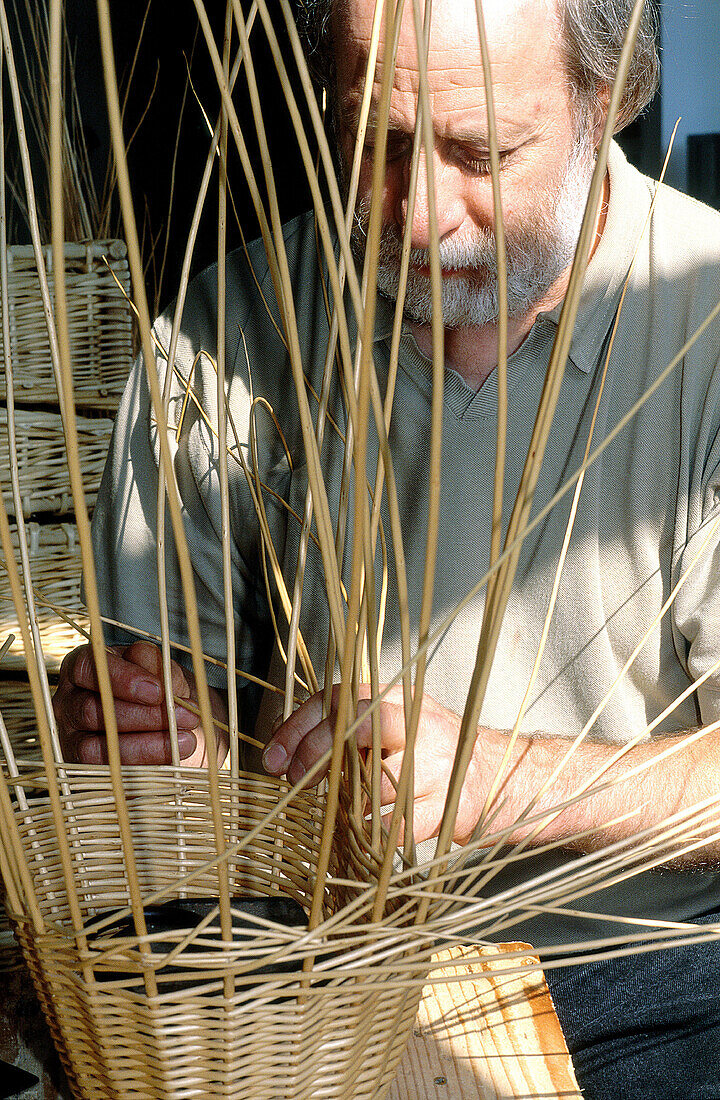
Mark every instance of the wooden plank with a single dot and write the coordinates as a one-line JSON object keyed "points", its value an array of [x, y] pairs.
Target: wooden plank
{"points": [[490, 1036]]}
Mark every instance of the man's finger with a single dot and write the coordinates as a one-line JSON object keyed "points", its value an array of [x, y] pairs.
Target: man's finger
{"points": [[149, 657], [83, 712], [313, 746], [135, 748], [284, 742], [306, 732], [391, 717], [128, 680]]}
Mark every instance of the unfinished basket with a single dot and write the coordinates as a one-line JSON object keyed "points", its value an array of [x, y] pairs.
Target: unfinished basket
{"points": [[277, 1012], [42, 460], [100, 323], [56, 568]]}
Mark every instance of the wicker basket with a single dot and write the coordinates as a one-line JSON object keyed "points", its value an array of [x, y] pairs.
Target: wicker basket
{"points": [[18, 713], [100, 324], [238, 1019], [55, 565], [41, 455]]}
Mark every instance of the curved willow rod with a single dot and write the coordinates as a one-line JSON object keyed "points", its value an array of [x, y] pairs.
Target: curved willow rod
{"points": [[173, 496], [502, 321], [494, 612]]}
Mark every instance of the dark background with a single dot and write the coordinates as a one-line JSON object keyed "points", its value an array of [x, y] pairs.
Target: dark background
{"points": [[171, 128]]}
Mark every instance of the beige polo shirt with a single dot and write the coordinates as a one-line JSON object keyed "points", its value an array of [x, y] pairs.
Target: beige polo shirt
{"points": [[645, 506]]}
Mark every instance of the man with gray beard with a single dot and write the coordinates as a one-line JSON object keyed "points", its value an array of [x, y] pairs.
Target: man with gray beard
{"points": [[636, 1027], [537, 255]]}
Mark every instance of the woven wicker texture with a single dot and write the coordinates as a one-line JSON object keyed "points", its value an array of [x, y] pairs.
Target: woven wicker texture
{"points": [[219, 1026], [99, 318], [55, 565], [18, 714], [42, 462]]}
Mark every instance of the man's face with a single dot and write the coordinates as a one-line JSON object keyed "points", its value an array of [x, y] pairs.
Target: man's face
{"points": [[545, 170]]}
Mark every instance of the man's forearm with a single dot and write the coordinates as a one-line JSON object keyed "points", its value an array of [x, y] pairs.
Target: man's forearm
{"points": [[607, 794]]}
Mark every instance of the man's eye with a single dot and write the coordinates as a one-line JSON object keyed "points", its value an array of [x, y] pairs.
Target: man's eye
{"points": [[397, 146], [477, 164]]}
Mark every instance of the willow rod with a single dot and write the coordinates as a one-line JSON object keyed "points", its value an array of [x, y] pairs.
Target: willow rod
{"points": [[12, 438], [502, 282], [518, 522], [157, 404], [347, 674], [566, 540], [284, 298]]}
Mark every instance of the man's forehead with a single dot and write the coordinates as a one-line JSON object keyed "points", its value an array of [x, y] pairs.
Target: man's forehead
{"points": [[520, 34], [498, 15], [524, 58]]}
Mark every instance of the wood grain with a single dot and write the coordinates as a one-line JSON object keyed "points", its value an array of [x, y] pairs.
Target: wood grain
{"points": [[490, 1036]]}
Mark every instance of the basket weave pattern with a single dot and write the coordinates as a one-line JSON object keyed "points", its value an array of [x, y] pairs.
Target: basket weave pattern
{"points": [[41, 455], [18, 715], [220, 1027], [100, 324], [56, 570]]}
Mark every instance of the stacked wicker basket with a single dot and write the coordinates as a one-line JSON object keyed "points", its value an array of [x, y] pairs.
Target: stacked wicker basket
{"points": [[97, 281]]}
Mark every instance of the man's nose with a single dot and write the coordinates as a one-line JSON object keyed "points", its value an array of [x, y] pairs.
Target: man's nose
{"points": [[448, 200]]}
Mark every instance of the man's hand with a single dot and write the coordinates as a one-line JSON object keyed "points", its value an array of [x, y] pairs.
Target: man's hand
{"points": [[140, 708], [306, 736]]}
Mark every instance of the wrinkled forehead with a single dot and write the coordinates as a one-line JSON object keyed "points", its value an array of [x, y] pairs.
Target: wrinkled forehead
{"points": [[523, 38], [453, 23], [523, 44]]}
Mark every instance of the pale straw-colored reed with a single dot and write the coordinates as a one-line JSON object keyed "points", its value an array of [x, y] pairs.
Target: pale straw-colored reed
{"points": [[266, 1009]]}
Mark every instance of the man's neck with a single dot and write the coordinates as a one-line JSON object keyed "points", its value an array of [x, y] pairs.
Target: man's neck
{"points": [[473, 352]]}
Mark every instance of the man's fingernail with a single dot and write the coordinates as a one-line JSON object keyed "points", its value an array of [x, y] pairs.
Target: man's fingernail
{"points": [[274, 758], [296, 773], [186, 718], [186, 743], [148, 691]]}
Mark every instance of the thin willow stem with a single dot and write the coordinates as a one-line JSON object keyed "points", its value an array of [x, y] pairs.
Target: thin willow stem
{"points": [[363, 397], [281, 277], [330, 355], [502, 318], [568, 532], [404, 803], [184, 562], [494, 612], [170, 359], [76, 482], [12, 444], [226, 532]]}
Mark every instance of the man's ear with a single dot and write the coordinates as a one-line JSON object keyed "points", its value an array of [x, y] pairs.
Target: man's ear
{"points": [[599, 113]]}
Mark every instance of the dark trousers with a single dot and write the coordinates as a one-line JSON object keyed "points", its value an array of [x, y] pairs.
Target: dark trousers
{"points": [[644, 1027]]}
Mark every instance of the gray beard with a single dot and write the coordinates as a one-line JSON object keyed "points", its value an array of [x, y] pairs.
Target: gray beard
{"points": [[537, 255]]}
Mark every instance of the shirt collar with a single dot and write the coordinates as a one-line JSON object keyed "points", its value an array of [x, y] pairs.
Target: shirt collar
{"points": [[630, 198]]}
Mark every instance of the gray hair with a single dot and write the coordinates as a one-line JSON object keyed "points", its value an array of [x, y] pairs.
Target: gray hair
{"points": [[593, 32]]}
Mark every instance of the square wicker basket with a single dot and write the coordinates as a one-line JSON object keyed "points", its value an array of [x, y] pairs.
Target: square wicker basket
{"points": [[100, 324]]}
